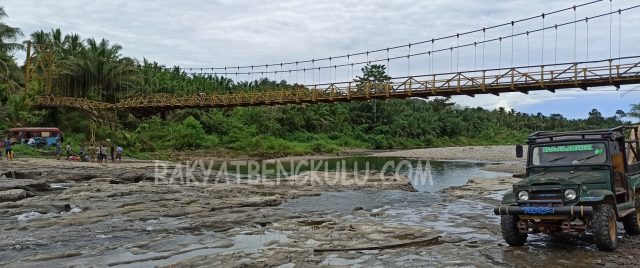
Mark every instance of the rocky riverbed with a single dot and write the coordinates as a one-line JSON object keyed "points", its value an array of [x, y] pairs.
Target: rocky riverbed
{"points": [[61, 213]]}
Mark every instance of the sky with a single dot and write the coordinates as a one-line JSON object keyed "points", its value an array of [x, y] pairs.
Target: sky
{"points": [[221, 33]]}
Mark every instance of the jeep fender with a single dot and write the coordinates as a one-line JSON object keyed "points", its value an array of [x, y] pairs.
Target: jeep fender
{"points": [[508, 198], [597, 196]]}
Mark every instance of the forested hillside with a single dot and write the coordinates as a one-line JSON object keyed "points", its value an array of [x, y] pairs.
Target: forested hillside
{"points": [[96, 70]]}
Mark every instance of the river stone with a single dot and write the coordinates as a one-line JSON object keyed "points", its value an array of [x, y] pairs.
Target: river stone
{"points": [[21, 175], [14, 195], [26, 184]]}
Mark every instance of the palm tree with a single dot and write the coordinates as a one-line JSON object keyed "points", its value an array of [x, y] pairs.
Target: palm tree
{"points": [[9, 71], [102, 72]]}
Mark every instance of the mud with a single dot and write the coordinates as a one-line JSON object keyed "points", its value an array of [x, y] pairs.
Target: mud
{"points": [[84, 214]]}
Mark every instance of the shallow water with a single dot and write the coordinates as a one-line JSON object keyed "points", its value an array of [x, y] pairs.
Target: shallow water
{"points": [[425, 175]]}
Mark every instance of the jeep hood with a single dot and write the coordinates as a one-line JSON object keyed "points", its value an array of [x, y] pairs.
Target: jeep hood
{"points": [[565, 178]]}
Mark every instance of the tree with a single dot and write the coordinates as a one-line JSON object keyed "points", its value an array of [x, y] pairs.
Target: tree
{"points": [[87, 68], [376, 73], [595, 119], [9, 71], [635, 111], [104, 72], [373, 80]]}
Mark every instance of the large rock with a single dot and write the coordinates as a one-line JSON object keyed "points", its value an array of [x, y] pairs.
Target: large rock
{"points": [[14, 195], [25, 184]]}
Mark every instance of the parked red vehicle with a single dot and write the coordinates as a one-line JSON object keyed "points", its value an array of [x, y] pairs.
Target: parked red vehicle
{"points": [[41, 135]]}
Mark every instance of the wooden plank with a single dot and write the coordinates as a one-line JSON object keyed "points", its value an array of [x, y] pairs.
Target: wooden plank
{"points": [[632, 148]]}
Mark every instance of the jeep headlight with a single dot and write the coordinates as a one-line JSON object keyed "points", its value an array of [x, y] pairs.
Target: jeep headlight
{"points": [[570, 194], [523, 195]]}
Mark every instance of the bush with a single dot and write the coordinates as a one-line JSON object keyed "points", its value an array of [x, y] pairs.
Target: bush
{"points": [[323, 147], [21, 150], [188, 135]]}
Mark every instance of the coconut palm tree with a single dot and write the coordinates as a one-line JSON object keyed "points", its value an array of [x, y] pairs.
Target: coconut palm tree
{"points": [[9, 71], [99, 72]]}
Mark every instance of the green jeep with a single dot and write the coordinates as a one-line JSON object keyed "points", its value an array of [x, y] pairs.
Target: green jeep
{"points": [[576, 182]]}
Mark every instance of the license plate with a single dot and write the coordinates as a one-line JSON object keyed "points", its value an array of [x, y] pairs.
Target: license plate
{"points": [[538, 210]]}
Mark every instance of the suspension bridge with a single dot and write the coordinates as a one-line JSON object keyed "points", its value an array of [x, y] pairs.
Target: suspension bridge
{"points": [[433, 68]]}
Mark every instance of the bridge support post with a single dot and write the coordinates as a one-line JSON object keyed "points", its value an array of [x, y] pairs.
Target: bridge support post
{"points": [[367, 88], [333, 91], [27, 69], [314, 95], [92, 129], [433, 85], [575, 74], [513, 79], [610, 71], [541, 76]]}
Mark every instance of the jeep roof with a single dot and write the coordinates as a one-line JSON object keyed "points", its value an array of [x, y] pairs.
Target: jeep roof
{"points": [[598, 134]]}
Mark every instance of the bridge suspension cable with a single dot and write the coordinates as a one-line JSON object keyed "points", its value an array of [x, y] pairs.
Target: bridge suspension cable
{"points": [[214, 70], [450, 49]]}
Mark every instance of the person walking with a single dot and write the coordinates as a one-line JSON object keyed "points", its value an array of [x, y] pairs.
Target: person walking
{"points": [[112, 152], [119, 152]]}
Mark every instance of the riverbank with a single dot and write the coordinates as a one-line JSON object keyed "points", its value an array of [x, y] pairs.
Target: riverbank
{"points": [[147, 214], [497, 153]]}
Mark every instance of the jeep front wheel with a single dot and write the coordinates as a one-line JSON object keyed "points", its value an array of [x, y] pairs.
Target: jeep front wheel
{"points": [[604, 227], [510, 231], [631, 222]]}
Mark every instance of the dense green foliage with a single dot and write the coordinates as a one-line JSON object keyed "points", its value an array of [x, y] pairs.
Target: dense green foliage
{"points": [[96, 70]]}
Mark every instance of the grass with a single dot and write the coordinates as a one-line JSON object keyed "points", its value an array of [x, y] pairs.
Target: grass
{"points": [[21, 150]]}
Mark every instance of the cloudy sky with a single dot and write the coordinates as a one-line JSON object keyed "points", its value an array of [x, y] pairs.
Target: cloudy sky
{"points": [[242, 32]]}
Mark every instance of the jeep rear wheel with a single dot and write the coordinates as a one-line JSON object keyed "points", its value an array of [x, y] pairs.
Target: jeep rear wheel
{"points": [[631, 222], [604, 228], [510, 231]]}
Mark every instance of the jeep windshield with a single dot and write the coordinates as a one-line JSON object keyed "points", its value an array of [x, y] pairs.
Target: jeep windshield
{"points": [[569, 154]]}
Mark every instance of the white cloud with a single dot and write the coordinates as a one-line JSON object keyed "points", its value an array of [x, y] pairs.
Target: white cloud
{"points": [[242, 32]]}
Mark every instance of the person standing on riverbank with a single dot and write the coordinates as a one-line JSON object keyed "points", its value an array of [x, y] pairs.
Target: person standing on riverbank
{"points": [[103, 154], [82, 154], [112, 152], [7, 148], [68, 151], [119, 152], [58, 150], [99, 153]]}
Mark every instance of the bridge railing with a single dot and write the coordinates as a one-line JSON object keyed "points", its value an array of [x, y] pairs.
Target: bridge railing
{"points": [[526, 78]]}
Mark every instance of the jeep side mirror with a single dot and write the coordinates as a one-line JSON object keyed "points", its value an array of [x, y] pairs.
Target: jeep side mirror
{"points": [[519, 151]]}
